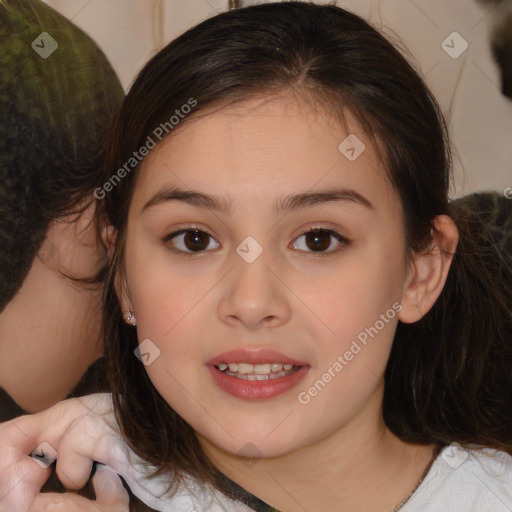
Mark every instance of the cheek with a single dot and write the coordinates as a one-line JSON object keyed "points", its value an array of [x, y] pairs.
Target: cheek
{"points": [[358, 308], [164, 301], [363, 284], [170, 301]]}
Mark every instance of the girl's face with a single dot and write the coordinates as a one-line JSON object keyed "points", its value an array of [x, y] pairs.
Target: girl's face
{"points": [[251, 290]]}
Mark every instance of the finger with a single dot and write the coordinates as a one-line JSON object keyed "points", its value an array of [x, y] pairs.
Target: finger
{"points": [[91, 439], [20, 481], [73, 469], [21, 477], [109, 489], [24, 433], [65, 502]]}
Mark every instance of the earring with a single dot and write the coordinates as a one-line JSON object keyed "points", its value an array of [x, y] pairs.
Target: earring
{"points": [[129, 318]]}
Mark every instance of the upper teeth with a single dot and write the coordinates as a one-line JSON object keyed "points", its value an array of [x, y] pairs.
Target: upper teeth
{"points": [[258, 369]]}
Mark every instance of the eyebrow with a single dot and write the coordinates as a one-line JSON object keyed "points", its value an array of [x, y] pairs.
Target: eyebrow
{"points": [[285, 204]]}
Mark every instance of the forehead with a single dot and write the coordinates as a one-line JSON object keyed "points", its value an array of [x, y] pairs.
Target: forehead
{"points": [[264, 146]]}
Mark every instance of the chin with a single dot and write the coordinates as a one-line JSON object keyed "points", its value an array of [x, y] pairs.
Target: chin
{"points": [[256, 446]]}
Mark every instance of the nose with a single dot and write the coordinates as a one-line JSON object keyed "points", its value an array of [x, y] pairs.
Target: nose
{"points": [[255, 295]]}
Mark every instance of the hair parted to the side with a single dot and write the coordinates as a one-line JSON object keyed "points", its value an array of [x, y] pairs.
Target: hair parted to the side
{"points": [[449, 375]]}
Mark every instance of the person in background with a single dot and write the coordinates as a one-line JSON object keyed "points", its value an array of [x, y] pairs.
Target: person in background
{"points": [[58, 95]]}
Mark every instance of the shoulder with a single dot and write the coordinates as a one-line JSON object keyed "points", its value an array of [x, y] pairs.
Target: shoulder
{"points": [[472, 478]]}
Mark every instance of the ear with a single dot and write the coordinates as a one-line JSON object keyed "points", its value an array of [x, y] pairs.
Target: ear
{"points": [[122, 292], [428, 271], [109, 236]]}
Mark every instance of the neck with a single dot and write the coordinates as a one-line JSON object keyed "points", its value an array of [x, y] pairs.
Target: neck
{"points": [[361, 467]]}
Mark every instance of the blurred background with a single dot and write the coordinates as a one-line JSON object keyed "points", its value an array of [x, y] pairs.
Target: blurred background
{"points": [[449, 42]]}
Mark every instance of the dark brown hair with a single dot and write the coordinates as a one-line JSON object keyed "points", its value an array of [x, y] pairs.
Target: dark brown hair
{"points": [[54, 116], [449, 375]]}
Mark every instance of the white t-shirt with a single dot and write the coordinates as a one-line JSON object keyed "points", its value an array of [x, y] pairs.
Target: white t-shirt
{"points": [[459, 480], [195, 497], [465, 480]]}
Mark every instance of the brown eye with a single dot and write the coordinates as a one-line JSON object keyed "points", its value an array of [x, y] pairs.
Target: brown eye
{"points": [[319, 240], [189, 240]]}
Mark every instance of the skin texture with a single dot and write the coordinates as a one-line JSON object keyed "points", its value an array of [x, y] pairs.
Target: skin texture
{"points": [[111, 496], [290, 299], [51, 329]]}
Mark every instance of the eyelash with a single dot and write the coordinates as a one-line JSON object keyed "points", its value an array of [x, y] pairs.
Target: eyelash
{"points": [[344, 241]]}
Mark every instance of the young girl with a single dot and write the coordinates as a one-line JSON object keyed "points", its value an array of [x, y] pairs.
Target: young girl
{"points": [[286, 316]]}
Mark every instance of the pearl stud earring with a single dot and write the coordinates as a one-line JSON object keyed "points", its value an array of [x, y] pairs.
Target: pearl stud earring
{"points": [[129, 318]]}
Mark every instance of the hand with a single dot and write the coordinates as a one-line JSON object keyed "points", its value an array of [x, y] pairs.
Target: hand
{"points": [[111, 496], [81, 430]]}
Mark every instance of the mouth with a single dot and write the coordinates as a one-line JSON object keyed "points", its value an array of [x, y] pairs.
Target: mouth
{"points": [[262, 371], [256, 374]]}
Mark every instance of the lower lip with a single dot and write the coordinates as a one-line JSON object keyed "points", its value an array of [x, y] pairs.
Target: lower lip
{"points": [[257, 389]]}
